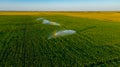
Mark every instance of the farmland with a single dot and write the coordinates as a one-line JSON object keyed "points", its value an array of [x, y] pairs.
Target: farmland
{"points": [[111, 16], [24, 41]]}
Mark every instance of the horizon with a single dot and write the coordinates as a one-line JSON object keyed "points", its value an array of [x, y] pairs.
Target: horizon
{"points": [[60, 5]]}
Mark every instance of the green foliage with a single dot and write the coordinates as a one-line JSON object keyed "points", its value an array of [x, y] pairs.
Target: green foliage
{"points": [[24, 43]]}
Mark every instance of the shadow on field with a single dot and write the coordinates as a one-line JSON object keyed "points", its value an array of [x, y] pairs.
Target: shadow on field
{"points": [[29, 30], [87, 28], [1, 33]]}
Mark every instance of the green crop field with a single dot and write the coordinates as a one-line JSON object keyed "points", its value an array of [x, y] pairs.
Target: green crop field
{"points": [[24, 42]]}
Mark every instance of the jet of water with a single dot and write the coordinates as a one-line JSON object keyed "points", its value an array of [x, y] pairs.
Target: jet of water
{"points": [[50, 23], [39, 18], [62, 33]]}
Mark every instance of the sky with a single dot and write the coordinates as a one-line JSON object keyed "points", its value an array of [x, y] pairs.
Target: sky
{"points": [[60, 5]]}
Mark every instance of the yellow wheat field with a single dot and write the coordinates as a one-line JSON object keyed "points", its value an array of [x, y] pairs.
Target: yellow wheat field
{"points": [[113, 16]]}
